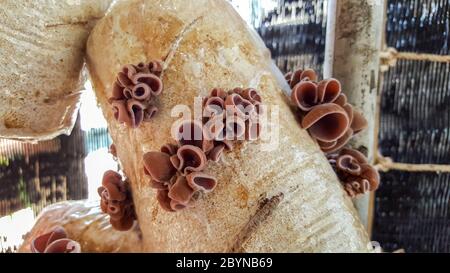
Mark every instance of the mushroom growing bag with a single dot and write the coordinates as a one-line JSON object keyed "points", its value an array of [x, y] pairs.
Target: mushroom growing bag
{"points": [[42, 47], [83, 222], [145, 58]]}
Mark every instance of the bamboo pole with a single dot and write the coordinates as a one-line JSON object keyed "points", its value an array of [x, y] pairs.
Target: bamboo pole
{"points": [[352, 55]]}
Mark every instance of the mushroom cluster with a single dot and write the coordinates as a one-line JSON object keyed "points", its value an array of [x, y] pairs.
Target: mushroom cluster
{"points": [[229, 117], [176, 171], [356, 175], [134, 93], [116, 200], [324, 110], [113, 150], [55, 241], [177, 174]]}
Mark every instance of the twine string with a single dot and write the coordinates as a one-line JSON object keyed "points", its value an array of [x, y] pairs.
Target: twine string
{"points": [[390, 56]]}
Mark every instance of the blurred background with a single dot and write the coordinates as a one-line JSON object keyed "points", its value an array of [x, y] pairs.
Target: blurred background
{"points": [[411, 209]]}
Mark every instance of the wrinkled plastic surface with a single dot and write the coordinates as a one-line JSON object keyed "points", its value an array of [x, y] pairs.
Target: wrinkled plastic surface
{"points": [[205, 44], [86, 224], [41, 60]]}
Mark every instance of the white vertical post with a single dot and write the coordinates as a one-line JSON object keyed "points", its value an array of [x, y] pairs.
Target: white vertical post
{"points": [[354, 38]]}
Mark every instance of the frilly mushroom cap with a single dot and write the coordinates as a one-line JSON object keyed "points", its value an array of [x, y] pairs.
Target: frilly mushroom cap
{"points": [[239, 121], [181, 192], [124, 77], [326, 122], [121, 114], [116, 201], [216, 152], [141, 91], [359, 123], [235, 104], [305, 95], [192, 133], [293, 78], [170, 149], [357, 176], [159, 166], [218, 92], [213, 106], [349, 164], [324, 110], [155, 67], [55, 241], [360, 157], [251, 95], [133, 93], [329, 90], [158, 185], [164, 200], [370, 174], [113, 150], [40, 243], [174, 190], [200, 181], [190, 159], [333, 146], [153, 82], [63, 246], [112, 183]]}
